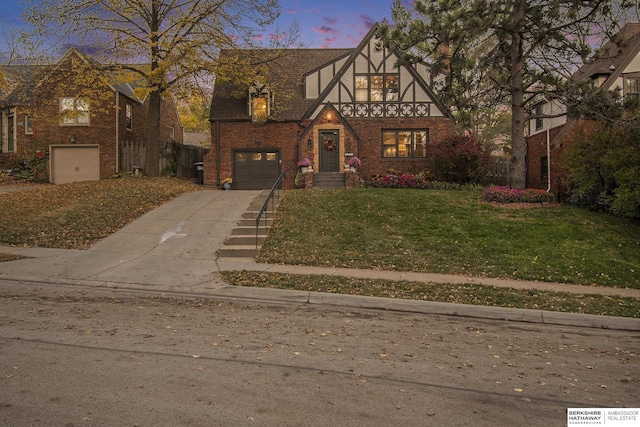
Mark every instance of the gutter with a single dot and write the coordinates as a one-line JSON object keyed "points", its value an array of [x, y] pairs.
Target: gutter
{"points": [[548, 162], [117, 132]]}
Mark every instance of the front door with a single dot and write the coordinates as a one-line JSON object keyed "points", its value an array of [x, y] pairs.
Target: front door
{"points": [[329, 151]]}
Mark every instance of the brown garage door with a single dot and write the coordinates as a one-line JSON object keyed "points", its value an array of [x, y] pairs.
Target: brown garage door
{"points": [[256, 170], [71, 163]]}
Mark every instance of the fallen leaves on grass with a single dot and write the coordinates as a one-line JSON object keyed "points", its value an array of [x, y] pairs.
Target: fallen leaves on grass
{"points": [[77, 215], [452, 293]]}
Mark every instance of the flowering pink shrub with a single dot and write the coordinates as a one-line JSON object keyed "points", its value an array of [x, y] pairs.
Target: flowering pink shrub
{"points": [[420, 181], [513, 195], [397, 181]]}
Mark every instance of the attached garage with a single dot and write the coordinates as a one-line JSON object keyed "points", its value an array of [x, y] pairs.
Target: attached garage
{"points": [[256, 169], [72, 163]]}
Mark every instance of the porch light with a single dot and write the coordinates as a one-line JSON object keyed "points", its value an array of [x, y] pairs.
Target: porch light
{"points": [[329, 115], [309, 143], [72, 139]]}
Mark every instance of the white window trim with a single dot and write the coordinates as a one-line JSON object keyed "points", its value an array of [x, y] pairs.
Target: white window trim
{"points": [[128, 116], [74, 121], [28, 124]]}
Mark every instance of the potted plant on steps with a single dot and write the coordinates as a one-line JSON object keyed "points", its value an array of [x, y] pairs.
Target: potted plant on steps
{"points": [[226, 183], [354, 163], [304, 165]]}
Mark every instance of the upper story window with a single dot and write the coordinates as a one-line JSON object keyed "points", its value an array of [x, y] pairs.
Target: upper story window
{"points": [[172, 133], [74, 111], [538, 119], [405, 143], [377, 88], [128, 116], [632, 91], [260, 99]]}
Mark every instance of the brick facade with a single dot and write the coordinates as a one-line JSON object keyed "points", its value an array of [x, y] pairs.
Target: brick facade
{"points": [[536, 153], [362, 137], [107, 125], [560, 138]]}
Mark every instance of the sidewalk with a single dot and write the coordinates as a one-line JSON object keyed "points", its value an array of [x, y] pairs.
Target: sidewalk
{"points": [[173, 249]]}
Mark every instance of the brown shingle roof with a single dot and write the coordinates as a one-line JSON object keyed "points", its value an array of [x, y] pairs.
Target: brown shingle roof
{"points": [[613, 57], [289, 70], [21, 80]]}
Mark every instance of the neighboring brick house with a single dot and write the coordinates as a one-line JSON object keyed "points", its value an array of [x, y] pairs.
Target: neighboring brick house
{"points": [[79, 113], [616, 66], [339, 103]]}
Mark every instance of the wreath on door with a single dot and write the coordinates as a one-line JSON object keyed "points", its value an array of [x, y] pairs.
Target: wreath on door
{"points": [[329, 144]]}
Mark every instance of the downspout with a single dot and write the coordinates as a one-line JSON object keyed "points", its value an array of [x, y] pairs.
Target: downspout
{"points": [[300, 138], [217, 152], [117, 131], [548, 162]]}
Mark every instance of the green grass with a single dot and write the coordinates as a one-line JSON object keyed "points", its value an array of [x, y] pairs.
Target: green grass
{"points": [[395, 229], [77, 215], [451, 293], [453, 232]]}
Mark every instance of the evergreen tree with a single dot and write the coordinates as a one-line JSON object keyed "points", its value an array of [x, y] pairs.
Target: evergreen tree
{"points": [[500, 51]]}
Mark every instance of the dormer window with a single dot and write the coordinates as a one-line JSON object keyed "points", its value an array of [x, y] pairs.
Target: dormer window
{"points": [[260, 99]]}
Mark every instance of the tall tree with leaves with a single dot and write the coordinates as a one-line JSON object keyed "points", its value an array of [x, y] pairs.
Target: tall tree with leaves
{"points": [[178, 40], [510, 51]]}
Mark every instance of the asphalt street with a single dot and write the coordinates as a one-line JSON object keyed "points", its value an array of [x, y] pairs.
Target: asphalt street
{"points": [[142, 330], [78, 356]]}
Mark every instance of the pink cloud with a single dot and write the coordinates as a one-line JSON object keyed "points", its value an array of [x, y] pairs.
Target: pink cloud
{"points": [[274, 36], [367, 21], [324, 30], [328, 42], [291, 11], [330, 21]]}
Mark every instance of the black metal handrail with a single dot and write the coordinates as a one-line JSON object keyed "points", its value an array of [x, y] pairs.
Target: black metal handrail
{"points": [[265, 205]]}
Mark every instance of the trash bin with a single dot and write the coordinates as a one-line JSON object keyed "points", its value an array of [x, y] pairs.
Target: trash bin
{"points": [[199, 172]]}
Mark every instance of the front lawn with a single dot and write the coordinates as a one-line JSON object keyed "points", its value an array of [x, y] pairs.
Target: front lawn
{"points": [[79, 214], [453, 232]]}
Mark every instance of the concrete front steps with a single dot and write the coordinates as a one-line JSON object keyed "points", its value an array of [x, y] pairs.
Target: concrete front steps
{"points": [[329, 180], [243, 242]]}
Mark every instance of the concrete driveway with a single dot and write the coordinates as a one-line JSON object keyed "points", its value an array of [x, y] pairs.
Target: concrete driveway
{"points": [[172, 247]]}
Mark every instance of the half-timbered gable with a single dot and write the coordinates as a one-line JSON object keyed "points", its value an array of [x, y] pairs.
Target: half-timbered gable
{"points": [[369, 84]]}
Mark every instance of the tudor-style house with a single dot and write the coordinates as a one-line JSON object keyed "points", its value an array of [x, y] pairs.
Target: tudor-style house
{"points": [[337, 104], [79, 113], [616, 66]]}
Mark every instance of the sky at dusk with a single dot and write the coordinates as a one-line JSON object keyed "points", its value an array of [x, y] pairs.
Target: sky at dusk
{"points": [[323, 24]]}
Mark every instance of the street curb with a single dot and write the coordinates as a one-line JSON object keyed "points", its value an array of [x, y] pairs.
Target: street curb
{"points": [[285, 296], [431, 308]]}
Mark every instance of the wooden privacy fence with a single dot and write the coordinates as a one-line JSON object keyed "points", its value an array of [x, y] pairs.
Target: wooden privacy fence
{"points": [[175, 159], [499, 173]]}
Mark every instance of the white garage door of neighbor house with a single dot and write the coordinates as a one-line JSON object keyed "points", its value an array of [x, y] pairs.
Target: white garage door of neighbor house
{"points": [[72, 163]]}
